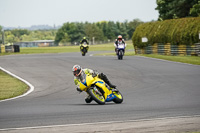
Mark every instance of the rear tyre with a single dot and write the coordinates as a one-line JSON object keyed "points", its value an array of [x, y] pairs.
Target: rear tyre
{"points": [[96, 97]]}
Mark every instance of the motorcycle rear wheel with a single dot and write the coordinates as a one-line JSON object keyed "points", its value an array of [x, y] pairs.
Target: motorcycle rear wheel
{"points": [[96, 97]]}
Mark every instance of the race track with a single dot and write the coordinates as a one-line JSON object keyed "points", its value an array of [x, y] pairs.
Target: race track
{"points": [[151, 88]]}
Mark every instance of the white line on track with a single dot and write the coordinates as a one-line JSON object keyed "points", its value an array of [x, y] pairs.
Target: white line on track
{"points": [[26, 82], [97, 123]]}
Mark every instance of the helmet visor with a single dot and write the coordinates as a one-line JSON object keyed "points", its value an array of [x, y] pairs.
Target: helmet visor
{"points": [[77, 73]]}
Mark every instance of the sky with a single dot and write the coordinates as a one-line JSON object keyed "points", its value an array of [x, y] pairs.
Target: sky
{"points": [[25, 13]]}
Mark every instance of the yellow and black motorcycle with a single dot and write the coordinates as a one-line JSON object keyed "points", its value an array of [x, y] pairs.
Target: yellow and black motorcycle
{"points": [[99, 91], [84, 48]]}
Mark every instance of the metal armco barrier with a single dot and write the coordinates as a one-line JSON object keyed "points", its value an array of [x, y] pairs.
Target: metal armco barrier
{"points": [[168, 49], [197, 49]]}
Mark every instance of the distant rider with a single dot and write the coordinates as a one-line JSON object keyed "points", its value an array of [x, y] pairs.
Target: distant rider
{"points": [[78, 77], [84, 40], [119, 41]]}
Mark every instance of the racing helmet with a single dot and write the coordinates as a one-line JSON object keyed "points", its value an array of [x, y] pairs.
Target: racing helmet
{"points": [[76, 69], [119, 37]]}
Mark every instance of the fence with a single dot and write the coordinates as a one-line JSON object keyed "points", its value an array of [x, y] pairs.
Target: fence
{"points": [[168, 49]]}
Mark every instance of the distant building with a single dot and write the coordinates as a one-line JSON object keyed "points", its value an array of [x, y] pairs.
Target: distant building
{"points": [[38, 43]]}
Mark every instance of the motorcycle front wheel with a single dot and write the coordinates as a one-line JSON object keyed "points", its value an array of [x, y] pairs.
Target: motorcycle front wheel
{"points": [[96, 97], [83, 54], [120, 55], [119, 97]]}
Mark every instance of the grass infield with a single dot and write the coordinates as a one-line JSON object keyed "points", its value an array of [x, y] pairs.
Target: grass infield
{"points": [[10, 86]]}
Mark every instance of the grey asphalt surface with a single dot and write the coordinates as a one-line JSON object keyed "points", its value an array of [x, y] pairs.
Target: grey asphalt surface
{"points": [[151, 89]]}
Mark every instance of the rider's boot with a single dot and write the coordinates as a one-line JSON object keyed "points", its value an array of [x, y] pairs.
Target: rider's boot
{"points": [[116, 51], [105, 79]]}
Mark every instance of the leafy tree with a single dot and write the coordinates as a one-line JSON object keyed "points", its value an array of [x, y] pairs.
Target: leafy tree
{"points": [[92, 30], [10, 38], [19, 32], [59, 35], [1, 37], [74, 32], [122, 30], [169, 9], [103, 25], [132, 26], [195, 10], [112, 30], [65, 38]]}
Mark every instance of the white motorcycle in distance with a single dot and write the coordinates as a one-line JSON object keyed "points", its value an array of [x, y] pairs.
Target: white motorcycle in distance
{"points": [[120, 51]]}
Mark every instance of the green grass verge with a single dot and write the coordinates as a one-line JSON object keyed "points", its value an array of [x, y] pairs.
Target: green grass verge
{"points": [[10, 86], [184, 59], [195, 60]]}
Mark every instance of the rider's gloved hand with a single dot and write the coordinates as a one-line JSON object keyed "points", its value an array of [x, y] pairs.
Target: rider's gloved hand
{"points": [[78, 89], [94, 74]]}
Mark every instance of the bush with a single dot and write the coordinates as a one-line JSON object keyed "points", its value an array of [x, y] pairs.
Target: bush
{"points": [[175, 31]]}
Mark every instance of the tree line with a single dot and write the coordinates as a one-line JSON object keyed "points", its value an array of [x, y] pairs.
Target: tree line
{"points": [[100, 31], [172, 9], [72, 32], [23, 35]]}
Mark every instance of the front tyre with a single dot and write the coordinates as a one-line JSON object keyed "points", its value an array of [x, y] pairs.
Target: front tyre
{"points": [[121, 54], [84, 51], [96, 97], [119, 97], [83, 54]]}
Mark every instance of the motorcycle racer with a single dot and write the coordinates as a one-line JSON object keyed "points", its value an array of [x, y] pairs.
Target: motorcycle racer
{"points": [[80, 81], [84, 40], [78, 73], [84, 46], [119, 41]]}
